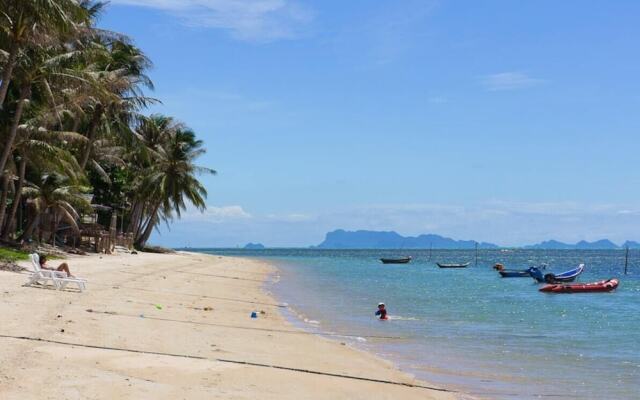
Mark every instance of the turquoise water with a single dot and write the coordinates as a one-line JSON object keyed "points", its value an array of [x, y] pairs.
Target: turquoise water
{"points": [[470, 329]]}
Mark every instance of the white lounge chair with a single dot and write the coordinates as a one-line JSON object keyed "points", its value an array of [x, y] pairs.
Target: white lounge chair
{"points": [[58, 278], [40, 275], [63, 282]]}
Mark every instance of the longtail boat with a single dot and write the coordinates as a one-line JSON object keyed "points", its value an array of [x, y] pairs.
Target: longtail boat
{"points": [[398, 260], [465, 265], [567, 276]]}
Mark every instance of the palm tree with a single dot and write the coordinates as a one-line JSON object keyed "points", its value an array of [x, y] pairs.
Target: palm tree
{"points": [[118, 76], [170, 181], [43, 150], [71, 104], [60, 196], [24, 22]]}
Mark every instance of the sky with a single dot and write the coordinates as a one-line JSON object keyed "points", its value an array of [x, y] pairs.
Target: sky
{"points": [[500, 121]]}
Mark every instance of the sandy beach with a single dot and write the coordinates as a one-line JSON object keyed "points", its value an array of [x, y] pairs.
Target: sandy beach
{"points": [[176, 326]]}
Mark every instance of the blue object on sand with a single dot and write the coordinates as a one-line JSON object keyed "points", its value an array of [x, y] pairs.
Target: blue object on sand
{"points": [[254, 314]]}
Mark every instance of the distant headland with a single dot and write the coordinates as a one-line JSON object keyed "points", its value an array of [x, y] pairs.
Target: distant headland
{"points": [[254, 246], [341, 239], [363, 239]]}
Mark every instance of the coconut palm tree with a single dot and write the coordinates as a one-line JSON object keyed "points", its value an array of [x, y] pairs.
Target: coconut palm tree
{"points": [[71, 104], [25, 22], [43, 150], [57, 194], [170, 181], [118, 74]]}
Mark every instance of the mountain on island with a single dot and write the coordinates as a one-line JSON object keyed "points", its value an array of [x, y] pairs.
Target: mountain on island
{"points": [[254, 246], [631, 244], [604, 244], [341, 239]]}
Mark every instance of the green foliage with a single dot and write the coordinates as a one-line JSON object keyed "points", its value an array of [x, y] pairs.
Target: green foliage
{"points": [[71, 125], [11, 255]]}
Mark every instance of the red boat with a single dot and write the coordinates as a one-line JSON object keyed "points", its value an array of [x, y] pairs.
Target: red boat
{"points": [[602, 286]]}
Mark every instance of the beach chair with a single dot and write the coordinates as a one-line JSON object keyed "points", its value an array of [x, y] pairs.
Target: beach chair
{"points": [[59, 279], [63, 282], [40, 275]]}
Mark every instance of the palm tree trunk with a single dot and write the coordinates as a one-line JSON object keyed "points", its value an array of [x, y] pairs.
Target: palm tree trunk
{"points": [[142, 240], [134, 217], [91, 133], [141, 221], [17, 197], [28, 232], [8, 146], [144, 223], [4, 197], [8, 72]]}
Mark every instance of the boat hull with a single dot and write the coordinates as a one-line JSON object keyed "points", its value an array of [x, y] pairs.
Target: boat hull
{"points": [[515, 274], [404, 260], [453, 265], [594, 287], [567, 276]]}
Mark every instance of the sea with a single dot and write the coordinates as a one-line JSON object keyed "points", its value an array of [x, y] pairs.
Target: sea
{"points": [[469, 329]]}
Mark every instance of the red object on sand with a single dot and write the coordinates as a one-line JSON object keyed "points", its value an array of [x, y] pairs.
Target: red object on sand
{"points": [[602, 286]]}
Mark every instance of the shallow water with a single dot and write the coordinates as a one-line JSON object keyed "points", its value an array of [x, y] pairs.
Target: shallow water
{"points": [[469, 328]]}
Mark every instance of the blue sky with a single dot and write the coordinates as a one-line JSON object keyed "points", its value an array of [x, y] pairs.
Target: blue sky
{"points": [[502, 121]]}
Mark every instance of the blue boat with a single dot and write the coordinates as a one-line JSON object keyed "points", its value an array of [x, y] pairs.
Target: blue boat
{"points": [[567, 276], [515, 273]]}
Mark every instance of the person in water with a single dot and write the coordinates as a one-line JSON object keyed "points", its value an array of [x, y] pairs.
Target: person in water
{"points": [[382, 311], [64, 267]]}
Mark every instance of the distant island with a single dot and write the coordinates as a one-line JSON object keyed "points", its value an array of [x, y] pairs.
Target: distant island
{"points": [[363, 239], [604, 244], [254, 246], [341, 239]]}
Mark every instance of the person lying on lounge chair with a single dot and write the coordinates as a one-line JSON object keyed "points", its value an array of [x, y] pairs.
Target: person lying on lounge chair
{"points": [[64, 267]]}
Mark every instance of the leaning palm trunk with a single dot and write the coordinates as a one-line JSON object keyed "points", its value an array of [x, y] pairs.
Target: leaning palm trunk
{"points": [[134, 218], [91, 135], [8, 146], [3, 197], [8, 72], [28, 232], [16, 200], [153, 219], [142, 241]]}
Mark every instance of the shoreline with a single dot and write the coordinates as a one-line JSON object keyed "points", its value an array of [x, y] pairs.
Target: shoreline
{"points": [[143, 329], [296, 317]]}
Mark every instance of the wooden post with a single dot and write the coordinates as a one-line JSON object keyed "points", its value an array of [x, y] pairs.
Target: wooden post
{"points": [[626, 259], [476, 254]]}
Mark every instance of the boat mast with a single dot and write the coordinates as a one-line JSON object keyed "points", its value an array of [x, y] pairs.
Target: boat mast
{"points": [[626, 259], [476, 254]]}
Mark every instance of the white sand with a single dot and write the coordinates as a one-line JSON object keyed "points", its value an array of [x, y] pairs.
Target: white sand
{"points": [[128, 286]]}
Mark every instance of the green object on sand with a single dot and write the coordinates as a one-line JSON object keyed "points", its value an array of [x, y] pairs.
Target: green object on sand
{"points": [[158, 306]]}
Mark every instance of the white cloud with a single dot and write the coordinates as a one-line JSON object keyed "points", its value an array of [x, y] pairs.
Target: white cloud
{"points": [[218, 214], [509, 81], [250, 20], [292, 217]]}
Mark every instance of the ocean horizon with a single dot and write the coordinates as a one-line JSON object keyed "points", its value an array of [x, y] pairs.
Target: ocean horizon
{"points": [[470, 329]]}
